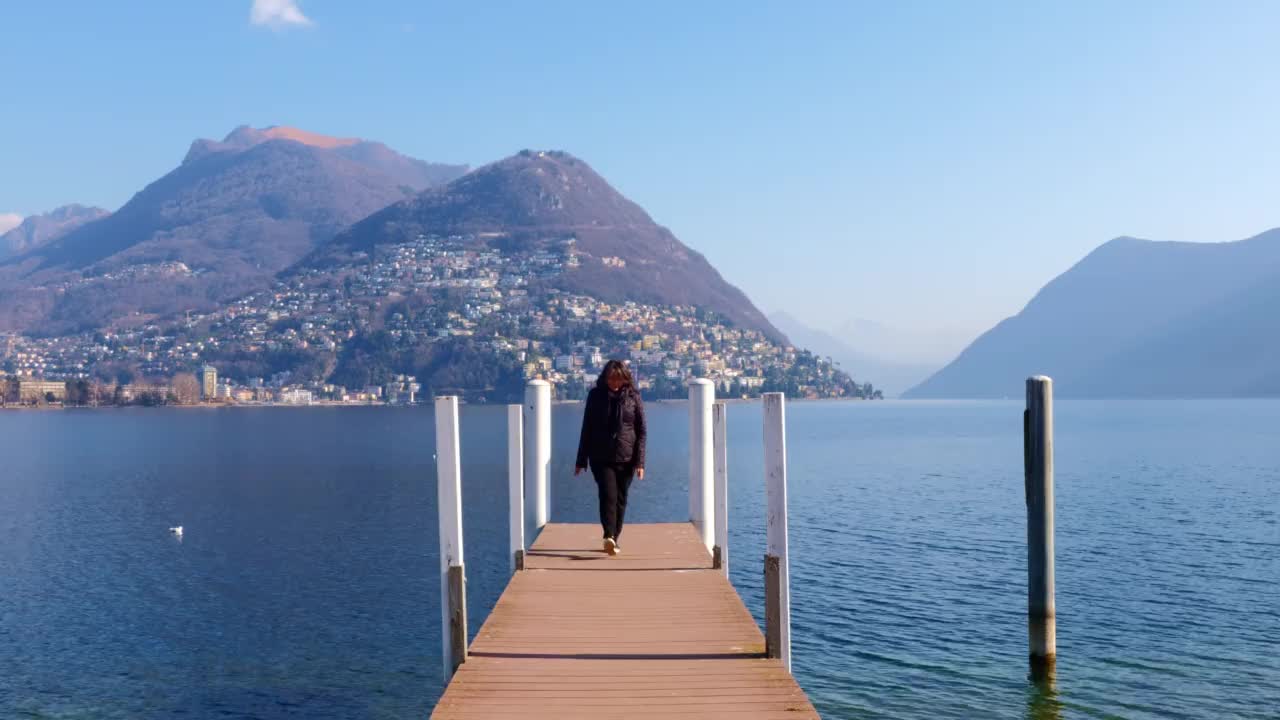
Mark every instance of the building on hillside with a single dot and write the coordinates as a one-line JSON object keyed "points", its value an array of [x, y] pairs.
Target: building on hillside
{"points": [[209, 382], [403, 390], [296, 396], [31, 390]]}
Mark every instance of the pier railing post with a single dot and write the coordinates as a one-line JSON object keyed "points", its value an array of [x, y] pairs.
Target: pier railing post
{"points": [[1038, 460], [720, 554], [702, 395], [537, 450], [777, 576], [453, 590], [515, 483]]}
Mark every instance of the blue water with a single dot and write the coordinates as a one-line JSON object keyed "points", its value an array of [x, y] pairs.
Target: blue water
{"points": [[305, 585]]}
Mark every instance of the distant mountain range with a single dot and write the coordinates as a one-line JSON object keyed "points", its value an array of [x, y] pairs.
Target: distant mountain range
{"points": [[223, 223], [534, 196], [889, 376], [38, 230], [239, 211], [1137, 318], [282, 212]]}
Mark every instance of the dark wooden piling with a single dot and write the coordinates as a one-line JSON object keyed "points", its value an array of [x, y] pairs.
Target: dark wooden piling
{"points": [[1038, 460]]}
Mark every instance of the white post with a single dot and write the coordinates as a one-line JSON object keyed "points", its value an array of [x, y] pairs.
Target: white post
{"points": [[702, 395], [719, 432], [537, 450], [777, 592], [1038, 459], [515, 483], [453, 601]]}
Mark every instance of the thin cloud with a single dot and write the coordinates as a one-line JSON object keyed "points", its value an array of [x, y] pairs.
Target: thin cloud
{"points": [[278, 14], [9, 221]]}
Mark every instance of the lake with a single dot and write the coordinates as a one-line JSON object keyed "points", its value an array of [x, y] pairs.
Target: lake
{"points": [[306, 586]]}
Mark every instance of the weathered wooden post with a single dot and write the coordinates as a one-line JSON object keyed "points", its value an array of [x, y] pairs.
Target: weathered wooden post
{"points": [[777, 576], [702, 395], [537, 450], [453, 589], [515, 483], [720, 554], [1038, 458]]}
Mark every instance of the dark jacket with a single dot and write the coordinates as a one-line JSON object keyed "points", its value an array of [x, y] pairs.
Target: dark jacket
{"points": [[612, 438]]}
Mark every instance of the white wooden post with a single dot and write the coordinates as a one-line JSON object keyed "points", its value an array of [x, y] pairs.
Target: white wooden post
{"points": [[1038, 460], [719, 433], [453, 594], [515, 483], [537, 450], [777, 591], [702, 395]]}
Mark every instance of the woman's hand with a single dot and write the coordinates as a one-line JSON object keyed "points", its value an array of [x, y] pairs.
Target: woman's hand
{"points": [[639, 473]]}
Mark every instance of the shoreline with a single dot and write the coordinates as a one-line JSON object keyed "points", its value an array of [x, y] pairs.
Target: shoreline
{"points": [[340, 404]]}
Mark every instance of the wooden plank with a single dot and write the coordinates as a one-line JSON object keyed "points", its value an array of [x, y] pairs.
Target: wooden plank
{"points": [[652, 633], [453, 601], [515, 485], [772, 608], [458, 616], [720, 447], [661, 546], [778, 594]]}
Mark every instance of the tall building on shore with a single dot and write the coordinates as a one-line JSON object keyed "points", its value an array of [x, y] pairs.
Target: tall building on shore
{"points": [[209, 382]]}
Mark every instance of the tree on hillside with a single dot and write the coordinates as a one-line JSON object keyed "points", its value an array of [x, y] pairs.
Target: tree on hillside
{"points": [[78, 393], [186, 388]]}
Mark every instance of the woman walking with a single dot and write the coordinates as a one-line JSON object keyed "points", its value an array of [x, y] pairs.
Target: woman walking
{"points": [[612, 442]]}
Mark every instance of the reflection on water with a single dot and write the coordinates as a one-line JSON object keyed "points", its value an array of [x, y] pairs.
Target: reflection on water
{"points": [[1042, 692]]}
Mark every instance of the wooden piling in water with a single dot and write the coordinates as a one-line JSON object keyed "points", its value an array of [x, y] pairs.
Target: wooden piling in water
{"points": [[537, 450], [515, 484], [1038, 460], [453, 591], [719, 432], [777, 574], [702, 395]]}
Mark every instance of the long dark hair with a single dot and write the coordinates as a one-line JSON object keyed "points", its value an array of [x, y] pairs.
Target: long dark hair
{"points": [[615, 368]]}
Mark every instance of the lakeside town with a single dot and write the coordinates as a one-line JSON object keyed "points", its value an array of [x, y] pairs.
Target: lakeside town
{"points": [[373, 329]]}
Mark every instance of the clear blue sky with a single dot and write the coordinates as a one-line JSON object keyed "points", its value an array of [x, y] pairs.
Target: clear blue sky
{"points": [[922, 164]]}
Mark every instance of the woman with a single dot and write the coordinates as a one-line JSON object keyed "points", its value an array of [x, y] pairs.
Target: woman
{"points": [[613, 436]]}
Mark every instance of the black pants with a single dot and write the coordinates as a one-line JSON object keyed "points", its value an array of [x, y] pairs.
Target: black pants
{"points": [[613, 481]]}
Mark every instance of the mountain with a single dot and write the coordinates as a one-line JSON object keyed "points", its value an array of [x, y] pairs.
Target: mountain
{"points": [[230, 217], [1138, 318], [532, 198], [410, 172], [889, 376], [38, 230]]}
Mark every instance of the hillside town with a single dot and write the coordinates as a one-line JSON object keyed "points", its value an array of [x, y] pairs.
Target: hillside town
{"points": [[354, 332]]}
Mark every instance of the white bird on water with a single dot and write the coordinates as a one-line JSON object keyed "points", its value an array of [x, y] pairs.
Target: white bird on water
{"points": [[176, 530]]}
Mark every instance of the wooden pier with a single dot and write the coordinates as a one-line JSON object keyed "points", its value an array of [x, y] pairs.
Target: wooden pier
{"points": [[659, 632], [655, 632]]}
